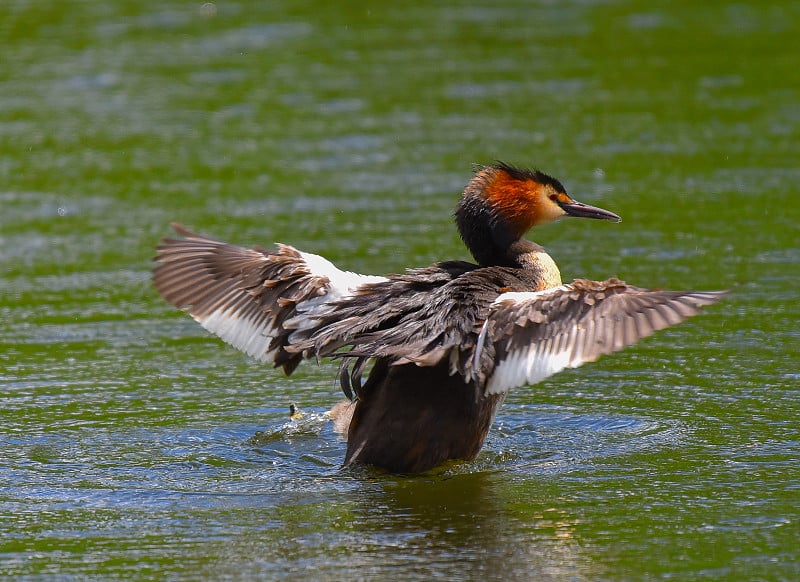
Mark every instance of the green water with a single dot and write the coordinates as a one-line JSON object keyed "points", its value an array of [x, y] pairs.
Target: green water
{"points": [[127, 445]]}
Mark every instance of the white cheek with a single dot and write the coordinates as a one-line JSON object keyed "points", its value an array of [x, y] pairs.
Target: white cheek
{"points": [[549, 212]]}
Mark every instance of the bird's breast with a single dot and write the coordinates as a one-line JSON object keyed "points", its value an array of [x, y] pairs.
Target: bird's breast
{"points": [[548, 275]]}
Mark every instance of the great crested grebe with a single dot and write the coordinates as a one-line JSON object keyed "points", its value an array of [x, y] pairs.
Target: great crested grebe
{"points": [[448, 341]]}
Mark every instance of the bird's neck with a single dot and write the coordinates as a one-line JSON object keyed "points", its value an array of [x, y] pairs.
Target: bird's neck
{"points": [[485, 232], [496, 242], [533, 258]]}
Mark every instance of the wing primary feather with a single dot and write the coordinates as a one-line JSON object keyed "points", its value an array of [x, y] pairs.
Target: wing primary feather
{"points": [[246, 295], [567, 326], [284, 305]]}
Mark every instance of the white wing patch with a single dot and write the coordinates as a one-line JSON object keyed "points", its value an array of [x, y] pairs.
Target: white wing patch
{"points": [[530, 365], [533, 335], [253, 299], [509, 297], [249, 331], [522, 296], [341, 284], [245, 333]]}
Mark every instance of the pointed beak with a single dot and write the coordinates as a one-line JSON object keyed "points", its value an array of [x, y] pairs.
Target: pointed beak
{"points": [[581, 210]]}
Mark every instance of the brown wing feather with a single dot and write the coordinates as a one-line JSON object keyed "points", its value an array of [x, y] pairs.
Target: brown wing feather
{"points": [[421, 316], [529, 336], [242, 295]]}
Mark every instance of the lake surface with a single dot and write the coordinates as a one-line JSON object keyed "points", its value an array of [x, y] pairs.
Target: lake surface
{"points": [[133, 445]]}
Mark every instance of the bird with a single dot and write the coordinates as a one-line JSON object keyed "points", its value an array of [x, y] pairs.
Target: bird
{"points": [[428, 355]]}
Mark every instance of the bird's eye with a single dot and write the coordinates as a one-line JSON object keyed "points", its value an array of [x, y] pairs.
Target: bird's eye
{"points": [[554, 197]]}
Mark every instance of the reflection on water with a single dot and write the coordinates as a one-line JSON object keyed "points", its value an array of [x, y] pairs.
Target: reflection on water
{"points": [[295, 505], [475, 524], [467, 525]]}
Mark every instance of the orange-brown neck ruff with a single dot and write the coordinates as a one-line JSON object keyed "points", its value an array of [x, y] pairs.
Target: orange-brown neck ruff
{"points": [[518, 201]]}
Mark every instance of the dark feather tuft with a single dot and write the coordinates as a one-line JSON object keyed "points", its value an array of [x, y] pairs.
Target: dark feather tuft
{"points": [[525, 174]]}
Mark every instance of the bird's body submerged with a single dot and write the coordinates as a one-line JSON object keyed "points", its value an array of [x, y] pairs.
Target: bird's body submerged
{"points": [[448, 341]]}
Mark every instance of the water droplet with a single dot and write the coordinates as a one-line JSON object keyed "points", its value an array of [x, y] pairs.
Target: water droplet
{"points": [[208, 10]]}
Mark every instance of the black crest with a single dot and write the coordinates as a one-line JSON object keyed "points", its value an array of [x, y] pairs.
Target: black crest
{"points": [[525, 174]]}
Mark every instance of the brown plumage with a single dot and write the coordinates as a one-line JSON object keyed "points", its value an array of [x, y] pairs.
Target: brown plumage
{"points": [[447, 341]]}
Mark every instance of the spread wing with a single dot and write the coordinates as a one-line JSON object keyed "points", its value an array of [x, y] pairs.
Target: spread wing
{"points": [[254, 299], [529, 336], [420, 317]]}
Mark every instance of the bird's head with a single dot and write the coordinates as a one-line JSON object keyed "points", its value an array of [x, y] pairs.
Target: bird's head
{"points": [[526, 198]]}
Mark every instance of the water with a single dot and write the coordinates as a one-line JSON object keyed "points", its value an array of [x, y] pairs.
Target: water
{"points": [[135, 446]]}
